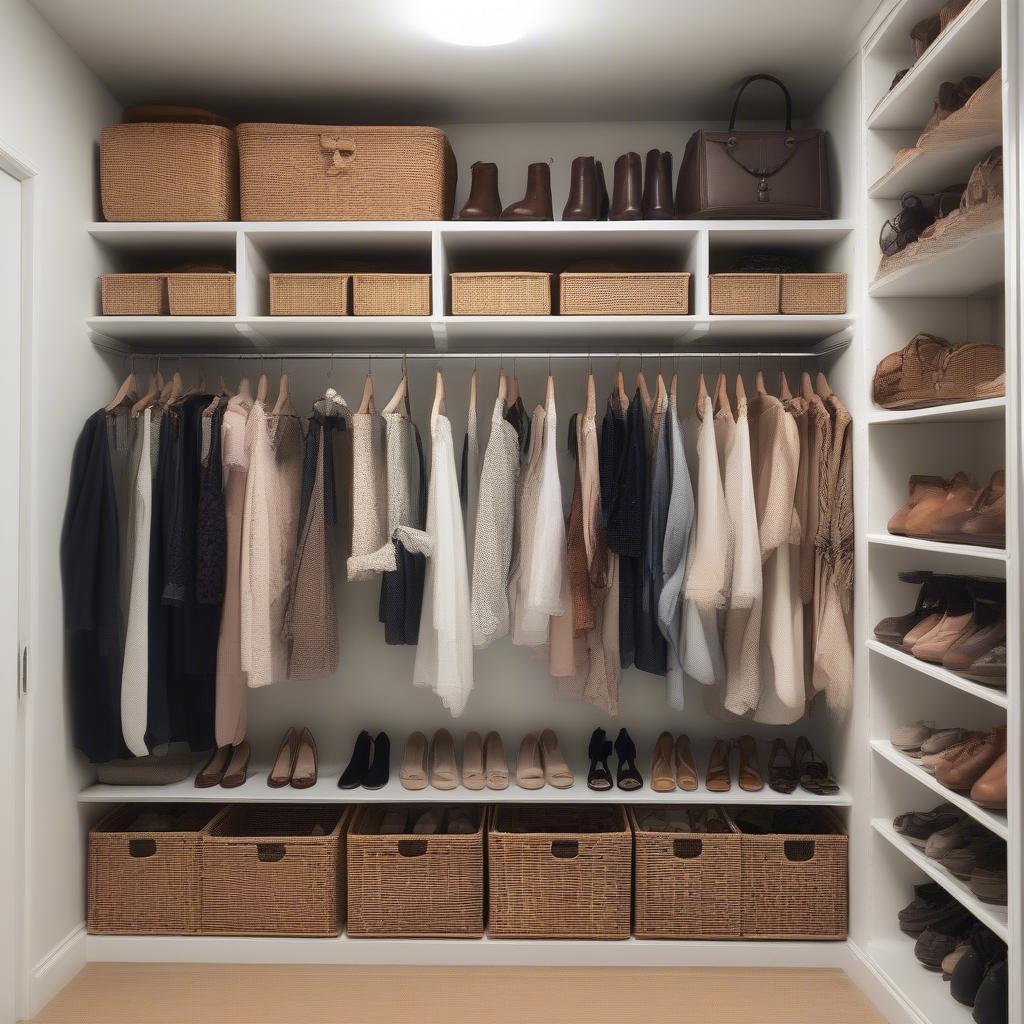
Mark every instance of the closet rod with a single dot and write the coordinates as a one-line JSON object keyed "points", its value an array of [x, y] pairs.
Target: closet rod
{"points": [[364, 356]]}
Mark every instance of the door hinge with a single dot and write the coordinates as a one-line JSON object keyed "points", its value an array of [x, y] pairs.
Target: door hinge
{"points": [[23, 671]]}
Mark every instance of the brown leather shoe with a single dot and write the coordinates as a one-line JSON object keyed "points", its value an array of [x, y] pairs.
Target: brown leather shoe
{"points": [[657, 202], [956, 622], [932, 762], [627, 191], [989, 626], [717, 778], [213, 771], [963, 771], [990, 790], [990, 668], [663, 775], [986, 524], [238, 767], [922, 488], [483, 203], [304, 774], [961, 493], [750, 767], [686, 767], [536, 204], [588, 194]]}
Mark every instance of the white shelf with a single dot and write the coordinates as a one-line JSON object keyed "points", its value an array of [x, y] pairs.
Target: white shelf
{"points": [[973, 267], [991, 915], [256, 790], [994, 821], [924, 990], [969, 46], [987, 693], [938, 547], [979, 411]]}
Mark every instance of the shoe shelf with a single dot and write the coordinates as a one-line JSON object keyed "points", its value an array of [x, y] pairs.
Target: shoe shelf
{"points": [[994, 821], [969, 46], [938, 547], [256, 790], [991, 694], [991, 915], [925, 991], [980, 411]]}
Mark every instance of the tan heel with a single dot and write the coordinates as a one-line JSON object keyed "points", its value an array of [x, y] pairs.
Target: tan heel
{"points": [[663, 776], [495, 762], [444, 770], [413, 773], [686, 767], [473, 761], [529, 770], [556, 771], [284, 764]]}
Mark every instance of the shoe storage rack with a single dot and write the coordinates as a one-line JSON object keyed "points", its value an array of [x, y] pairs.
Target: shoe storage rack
{"points": [[967, 293]]}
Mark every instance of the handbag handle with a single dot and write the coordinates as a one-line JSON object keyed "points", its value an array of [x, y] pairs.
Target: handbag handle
{"points": [[342, 151], [763, 78]]}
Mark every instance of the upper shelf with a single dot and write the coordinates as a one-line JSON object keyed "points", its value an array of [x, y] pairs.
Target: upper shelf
{"points": [[969, 46]]}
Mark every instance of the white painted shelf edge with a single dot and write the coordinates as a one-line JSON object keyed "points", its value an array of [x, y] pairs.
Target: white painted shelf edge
{"points": [[993, 821], [955, 412], [937, 547], [992, 916]]}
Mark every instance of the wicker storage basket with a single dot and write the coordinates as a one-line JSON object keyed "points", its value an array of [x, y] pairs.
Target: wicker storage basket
{"points": [[559, 872], [328, 172], [198, 294], [688, 885], [594, 294], [813, 293], [309, 294], [143, 882], [391, 294], [501, 293], [744, 294], [165, 171], [795, 886], [265, 872], [133, 294], [417, 886]]}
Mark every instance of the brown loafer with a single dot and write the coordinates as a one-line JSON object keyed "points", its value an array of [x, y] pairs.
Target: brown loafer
{"points": [[973, 760], [960, 495], [922, 488], [990, 790]]}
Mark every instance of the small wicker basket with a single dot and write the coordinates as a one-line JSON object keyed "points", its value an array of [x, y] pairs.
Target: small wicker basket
{"points": [[416, 886], [813, 293], [133, 294], [559, 872], [744, 294], [391, 294], [271, 870], [201, 294], [143, 882], [501, 293], [687, 885], [309, 294], [635, 294]]}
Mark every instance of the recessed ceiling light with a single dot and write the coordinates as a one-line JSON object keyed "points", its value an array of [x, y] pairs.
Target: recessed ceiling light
{"points": [[475, 22]]}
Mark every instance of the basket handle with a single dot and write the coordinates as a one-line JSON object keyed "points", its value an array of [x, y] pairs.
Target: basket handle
{"points": [[798, 850], [687, 849], [412, 847], [343, 153], [565, 849], [140, 848], [270, 853]]}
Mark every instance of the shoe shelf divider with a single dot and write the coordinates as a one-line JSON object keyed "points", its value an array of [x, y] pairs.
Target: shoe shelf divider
{"points": [[991, 915]]}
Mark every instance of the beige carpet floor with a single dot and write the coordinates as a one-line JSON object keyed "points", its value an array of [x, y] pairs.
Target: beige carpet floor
{"points": [[235, 994]]}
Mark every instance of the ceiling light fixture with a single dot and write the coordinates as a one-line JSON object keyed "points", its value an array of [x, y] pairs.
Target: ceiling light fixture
{"points": [[475, 22]]}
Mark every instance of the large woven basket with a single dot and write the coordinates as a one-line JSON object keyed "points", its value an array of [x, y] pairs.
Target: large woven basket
{"points": [[271, 870], [796, 886], [595, 294], [143, 882], [309, 294], [331, 172], [200, 294], [391, 294], [168, 172], [133, 294], [501, 293], [744, 294], [687, 885], [417, 886], [559, 872], [813, 293]]}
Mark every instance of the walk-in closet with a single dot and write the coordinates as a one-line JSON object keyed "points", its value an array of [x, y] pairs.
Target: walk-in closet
{"points": [[512, 509]]}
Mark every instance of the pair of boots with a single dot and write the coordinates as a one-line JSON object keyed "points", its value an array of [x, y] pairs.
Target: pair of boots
{"points": [[484, 203]]}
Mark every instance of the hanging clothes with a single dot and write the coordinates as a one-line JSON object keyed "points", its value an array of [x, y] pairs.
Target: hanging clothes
{"points": [[544, 595], [469, 473], [495, 530], [444, 654], [521, 422], [369, 494]]}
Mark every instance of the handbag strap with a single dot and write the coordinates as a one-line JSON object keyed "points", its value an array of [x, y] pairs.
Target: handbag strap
{"points": [[763, 78]]}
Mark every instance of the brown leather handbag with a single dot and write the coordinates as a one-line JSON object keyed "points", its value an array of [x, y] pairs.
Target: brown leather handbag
{"points": [[760, 173]]}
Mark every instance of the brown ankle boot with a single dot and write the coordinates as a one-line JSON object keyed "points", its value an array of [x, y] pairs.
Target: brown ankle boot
{"points": [[536, 204], [657, 197], [588, 196], [483, 203], [626, 189]]}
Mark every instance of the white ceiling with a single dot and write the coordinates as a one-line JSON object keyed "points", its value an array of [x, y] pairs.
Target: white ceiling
{"points": [[372, 60]]}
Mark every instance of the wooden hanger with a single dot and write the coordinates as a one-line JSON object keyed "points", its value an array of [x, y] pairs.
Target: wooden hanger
{"points": [[438, 407], [741, 391], [722, 396], [702, 396], [172, 390], [513, 389], [549, 391], [822, 386], [660, 391], [262, 387], [126, 393], [620, 390], [156, 386], [502, 389], [785, 395], [245, 390], [759, 384], [591, 409], [282, 396], [645, 394], [672, 388], [225, 391], [472, 392], [366, 402]]}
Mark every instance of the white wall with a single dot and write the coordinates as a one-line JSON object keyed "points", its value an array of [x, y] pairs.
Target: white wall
{"points": [[50, 113]]}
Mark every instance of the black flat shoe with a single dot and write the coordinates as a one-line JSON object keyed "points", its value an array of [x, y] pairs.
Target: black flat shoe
{"points": [[627, 775], [600, 775], [379, 771], [352, 777]]}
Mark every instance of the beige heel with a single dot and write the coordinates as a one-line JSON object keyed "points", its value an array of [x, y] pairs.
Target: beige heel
{"points": [[556, 771], [686, 767], [495, 762], [663, 776], [529, 770], [413, 773], [444, 770], [473, 761], [280, 775]]}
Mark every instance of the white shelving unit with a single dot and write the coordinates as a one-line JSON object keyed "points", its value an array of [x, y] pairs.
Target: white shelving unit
{"points": [[982, 410], [935, 547]]}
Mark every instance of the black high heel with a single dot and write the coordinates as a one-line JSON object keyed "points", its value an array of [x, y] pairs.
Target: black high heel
{"points": [[627, 775], [352, 777], [379, 771], [600, 775]]}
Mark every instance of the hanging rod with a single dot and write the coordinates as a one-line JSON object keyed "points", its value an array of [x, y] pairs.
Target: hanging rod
{"points": [[364, 356]]}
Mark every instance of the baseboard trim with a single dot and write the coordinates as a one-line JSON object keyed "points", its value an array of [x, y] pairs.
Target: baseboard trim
{"points": [[880, 990], [55, 970]]}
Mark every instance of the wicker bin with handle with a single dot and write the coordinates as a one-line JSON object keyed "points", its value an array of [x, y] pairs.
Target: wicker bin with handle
{"points": [[795, 886], [559, 872], [688, 885], [813, 293], [273, 870], [633, 294], [744, 294], [332, 172], [501, 293], [416, 886], [143, 873], [391, 294]]}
